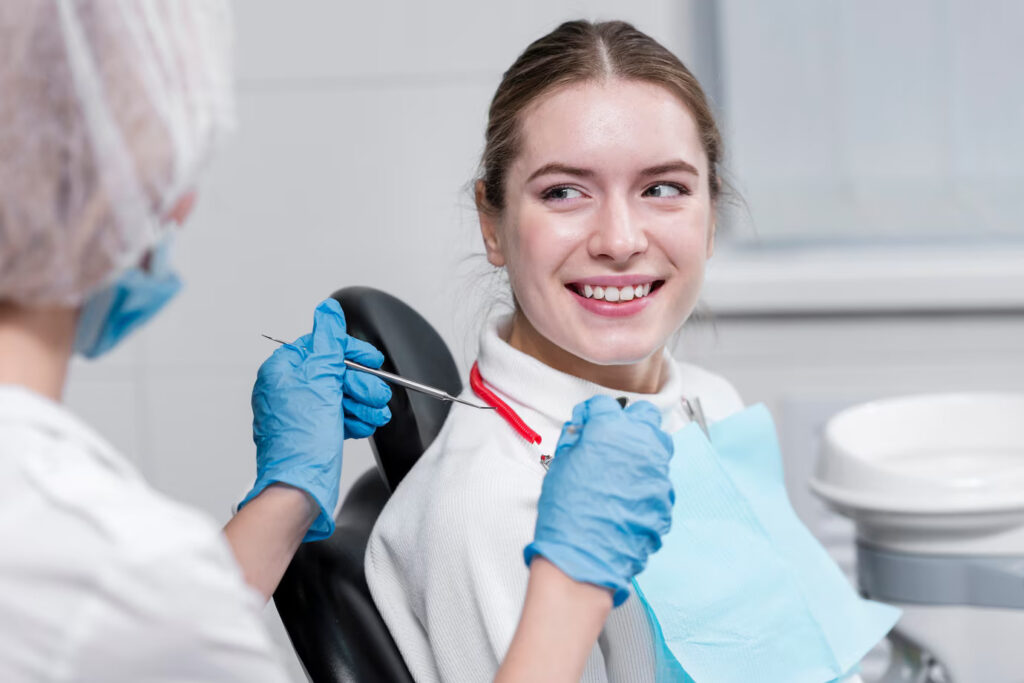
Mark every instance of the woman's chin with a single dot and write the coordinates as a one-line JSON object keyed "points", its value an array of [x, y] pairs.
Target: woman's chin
{"points": [[608, 356]]}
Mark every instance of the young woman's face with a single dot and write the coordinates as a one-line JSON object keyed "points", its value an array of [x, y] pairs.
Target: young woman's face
{"points": [[607, 226]]}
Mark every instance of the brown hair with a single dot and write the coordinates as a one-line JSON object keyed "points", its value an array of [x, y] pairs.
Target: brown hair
{"points": [[575, 52]]}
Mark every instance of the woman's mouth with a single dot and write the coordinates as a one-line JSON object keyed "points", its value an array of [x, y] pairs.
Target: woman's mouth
{"points": [[615, 293], [614, 297]]}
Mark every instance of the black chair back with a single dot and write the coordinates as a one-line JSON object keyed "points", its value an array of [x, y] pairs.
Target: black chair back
{"points": [[323, 598], [414, 350]]}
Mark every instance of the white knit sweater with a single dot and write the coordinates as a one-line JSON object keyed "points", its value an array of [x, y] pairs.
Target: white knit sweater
{"points": [[445, 560]]}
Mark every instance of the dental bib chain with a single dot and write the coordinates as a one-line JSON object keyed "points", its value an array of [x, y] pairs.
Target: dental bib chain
{"points": [[476, 382], [692, 407]]}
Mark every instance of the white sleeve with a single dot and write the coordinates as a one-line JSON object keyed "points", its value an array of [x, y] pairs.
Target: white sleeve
{"points": [[186, 616], [476, 583], [454, 607]]}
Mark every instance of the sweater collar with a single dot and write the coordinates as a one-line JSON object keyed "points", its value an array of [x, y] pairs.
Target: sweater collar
{"points": [[528, 382]]}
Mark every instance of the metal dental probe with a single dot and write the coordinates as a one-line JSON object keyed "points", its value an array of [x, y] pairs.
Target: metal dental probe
{"points": [[403, 382]]}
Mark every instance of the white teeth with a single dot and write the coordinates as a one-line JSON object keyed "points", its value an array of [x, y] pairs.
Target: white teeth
{"points": [[614, 294]]}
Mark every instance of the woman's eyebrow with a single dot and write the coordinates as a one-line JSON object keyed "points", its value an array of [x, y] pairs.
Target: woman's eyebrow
{"points": [[556, 167], [677, 165], [671, 167]]}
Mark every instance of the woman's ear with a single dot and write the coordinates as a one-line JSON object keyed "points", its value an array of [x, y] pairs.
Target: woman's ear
{"points": [[489, 227]]}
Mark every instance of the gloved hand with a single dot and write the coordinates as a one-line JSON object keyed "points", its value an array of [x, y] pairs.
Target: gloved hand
{"points": [[607, 498], [306, 402]]}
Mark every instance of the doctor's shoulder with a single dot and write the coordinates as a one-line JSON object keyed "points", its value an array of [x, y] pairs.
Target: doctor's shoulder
{"points": [[718, 397], [121, 582]]}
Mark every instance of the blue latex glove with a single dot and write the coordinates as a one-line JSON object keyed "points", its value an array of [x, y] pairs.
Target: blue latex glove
{"points": [[607, 498], [306, 402]]}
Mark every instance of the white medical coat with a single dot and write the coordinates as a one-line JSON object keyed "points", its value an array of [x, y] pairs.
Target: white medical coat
{"points": [[104, 579]]}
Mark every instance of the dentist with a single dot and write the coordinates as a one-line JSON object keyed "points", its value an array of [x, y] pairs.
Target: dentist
{"points": [[108, 112]]}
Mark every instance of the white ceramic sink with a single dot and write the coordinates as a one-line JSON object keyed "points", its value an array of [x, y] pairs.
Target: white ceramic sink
{"points": [[935, 454]]}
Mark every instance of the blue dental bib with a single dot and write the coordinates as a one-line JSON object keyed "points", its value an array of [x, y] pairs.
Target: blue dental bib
{"points": [[741, 590]]}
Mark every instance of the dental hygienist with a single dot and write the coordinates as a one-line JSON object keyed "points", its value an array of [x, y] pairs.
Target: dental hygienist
{"points": [[108, 111]]}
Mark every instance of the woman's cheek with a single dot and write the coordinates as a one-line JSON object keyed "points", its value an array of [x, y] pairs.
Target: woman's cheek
{"points": [[686, 248], [548, 240]]}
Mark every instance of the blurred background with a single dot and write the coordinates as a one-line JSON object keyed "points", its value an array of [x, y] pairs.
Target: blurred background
{"points": [[874, 244]]}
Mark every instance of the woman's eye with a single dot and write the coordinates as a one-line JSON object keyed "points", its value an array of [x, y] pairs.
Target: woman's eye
{"points": [[665, 190], [562, 193]]}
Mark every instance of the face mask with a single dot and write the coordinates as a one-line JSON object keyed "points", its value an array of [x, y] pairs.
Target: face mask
{"points": [[115, 311]]}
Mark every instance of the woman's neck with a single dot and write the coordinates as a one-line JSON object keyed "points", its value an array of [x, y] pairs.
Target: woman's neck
{"points": [[644, 377], [36, 346]]}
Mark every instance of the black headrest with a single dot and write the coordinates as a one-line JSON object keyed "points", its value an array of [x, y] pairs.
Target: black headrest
{"points": [[414, 350], [325, 604]]}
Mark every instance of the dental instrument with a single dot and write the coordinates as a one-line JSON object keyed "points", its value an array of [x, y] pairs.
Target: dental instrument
{"points": [[403, 382]]}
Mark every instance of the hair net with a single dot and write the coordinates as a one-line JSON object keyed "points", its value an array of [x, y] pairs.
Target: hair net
{"points": [[108, 110]]}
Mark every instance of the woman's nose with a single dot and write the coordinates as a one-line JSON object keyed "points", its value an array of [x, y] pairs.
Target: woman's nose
{"points": [[618, 233]]}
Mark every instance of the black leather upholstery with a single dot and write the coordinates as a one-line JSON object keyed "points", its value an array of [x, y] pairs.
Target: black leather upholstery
{"points": [[323, 598], [414, 350], [326, 606]]}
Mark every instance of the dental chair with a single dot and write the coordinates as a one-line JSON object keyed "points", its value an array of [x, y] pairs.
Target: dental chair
{"points": [[323, 598]]}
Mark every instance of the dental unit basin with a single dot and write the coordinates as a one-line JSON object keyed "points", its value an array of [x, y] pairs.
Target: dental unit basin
{"points": [[935, 486]]}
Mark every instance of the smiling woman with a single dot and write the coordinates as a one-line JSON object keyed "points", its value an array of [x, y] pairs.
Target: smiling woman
{"points": [[597, 194], [619, 201]]}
